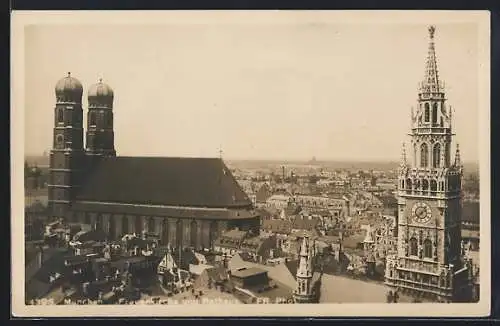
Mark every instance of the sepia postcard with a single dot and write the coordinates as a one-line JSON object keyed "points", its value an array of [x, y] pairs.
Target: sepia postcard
{"points": [[250, 163]]}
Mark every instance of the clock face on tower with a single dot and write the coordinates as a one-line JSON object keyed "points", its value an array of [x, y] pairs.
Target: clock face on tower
{"points": [[421, 212]]}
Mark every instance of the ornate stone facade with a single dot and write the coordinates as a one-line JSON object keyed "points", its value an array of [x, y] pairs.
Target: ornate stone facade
{"points": [[429, 263]]}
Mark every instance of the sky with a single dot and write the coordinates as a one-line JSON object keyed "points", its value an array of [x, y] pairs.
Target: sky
{"points": [[257, 91]]}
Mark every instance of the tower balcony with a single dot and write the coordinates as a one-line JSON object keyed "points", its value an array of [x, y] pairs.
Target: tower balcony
{"points": [[431, 90], [428, 193], [431, 130]]}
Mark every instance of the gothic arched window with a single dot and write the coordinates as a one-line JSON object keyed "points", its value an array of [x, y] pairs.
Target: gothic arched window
{"points": [[138, 224], [124, 226], [408, 184], [194, 234], [425, 184], [424, 155], [109, 120], [60, 115], [436, 155], [413, 247], [434, 113], [447, 154], [151, 224], [92, 120], [427, 248], [433, 185], [427, 112]]}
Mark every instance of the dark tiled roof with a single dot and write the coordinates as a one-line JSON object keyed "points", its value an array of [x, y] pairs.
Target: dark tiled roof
{"points": [[277, 226], [170, 181], [388, 201], [306, 223], [247, 272]]}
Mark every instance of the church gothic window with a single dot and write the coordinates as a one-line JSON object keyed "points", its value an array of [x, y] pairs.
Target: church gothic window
{"points": [[194, 233], [427, 112], [413, 247], [447, 154], [92, 119], [151, 224], [434, 113], [87, 219], [424, 155], [436, 155], [138, 224], [125, 226], [60, 115], [433, 185], [425, 184], [108, 120], [427, 248]]}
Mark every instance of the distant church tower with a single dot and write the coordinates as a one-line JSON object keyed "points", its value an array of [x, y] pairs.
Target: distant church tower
{"points": [[100, 136], [307, 289], [67, 155], [429, 263]]}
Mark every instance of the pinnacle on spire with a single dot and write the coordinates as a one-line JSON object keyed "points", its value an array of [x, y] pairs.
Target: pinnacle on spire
{"points": [[431, 29], [403, 156], [431, 83], [458, 161], [304, 248]]}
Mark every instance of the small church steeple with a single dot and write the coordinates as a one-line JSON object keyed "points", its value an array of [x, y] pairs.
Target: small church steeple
{"points": [[306, 285]]}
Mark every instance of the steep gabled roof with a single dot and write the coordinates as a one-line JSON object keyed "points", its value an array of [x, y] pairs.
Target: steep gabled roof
{"points": [[169, 181]]}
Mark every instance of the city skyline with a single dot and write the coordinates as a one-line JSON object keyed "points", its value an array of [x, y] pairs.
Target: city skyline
{"points": [[285, 80]]}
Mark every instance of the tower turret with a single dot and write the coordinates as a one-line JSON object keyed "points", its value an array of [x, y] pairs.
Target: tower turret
{"points": [[100, 135]]}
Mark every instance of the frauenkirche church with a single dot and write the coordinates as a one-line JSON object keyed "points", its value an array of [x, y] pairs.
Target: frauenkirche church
{"points": [[185, 201]]}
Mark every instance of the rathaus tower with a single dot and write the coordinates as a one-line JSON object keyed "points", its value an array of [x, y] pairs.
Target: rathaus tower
{"points": [[429, 263]]}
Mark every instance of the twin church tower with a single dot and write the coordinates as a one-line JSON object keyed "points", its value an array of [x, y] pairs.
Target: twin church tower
{"points": [[69, 157]]}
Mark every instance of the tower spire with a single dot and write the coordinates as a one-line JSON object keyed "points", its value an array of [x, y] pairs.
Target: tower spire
{"points": [[431, 83], [305, 268]]}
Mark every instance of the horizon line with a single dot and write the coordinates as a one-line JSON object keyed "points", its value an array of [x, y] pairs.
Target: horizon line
{"points": [[302, 160]]}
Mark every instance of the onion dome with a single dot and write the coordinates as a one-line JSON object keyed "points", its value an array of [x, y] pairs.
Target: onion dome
{"points": [[100, 94], [69, 89]]}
